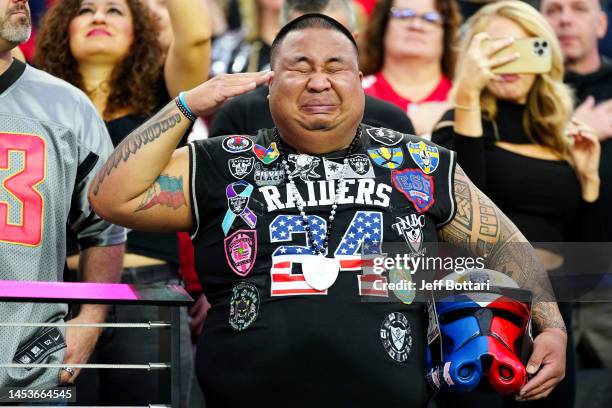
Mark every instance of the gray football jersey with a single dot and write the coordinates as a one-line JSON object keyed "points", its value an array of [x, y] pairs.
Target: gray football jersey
{"points": [[52, 142]]}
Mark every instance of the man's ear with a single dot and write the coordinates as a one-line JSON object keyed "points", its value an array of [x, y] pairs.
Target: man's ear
{"points": [[360, 76], [602, 27], [356, 35], [270, 81]]}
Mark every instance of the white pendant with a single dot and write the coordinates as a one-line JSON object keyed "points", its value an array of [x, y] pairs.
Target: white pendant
{"points": [[320, 272]]}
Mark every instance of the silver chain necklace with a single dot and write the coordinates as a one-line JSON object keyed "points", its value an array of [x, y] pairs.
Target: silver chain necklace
{"points": [[299, 203]]}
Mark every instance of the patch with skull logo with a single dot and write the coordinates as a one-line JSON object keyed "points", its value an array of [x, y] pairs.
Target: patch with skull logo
{"points": [[244, 306], [304, 166], [396, 336]]}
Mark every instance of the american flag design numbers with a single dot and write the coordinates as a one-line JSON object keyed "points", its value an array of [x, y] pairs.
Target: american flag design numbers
{"points": [[363, 237]]}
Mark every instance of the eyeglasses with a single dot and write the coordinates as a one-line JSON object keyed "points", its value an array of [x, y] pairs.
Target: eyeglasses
{"points": [[431, 17]]}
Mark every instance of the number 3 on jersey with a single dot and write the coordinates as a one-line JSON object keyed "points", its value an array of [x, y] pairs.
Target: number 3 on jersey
{"points": [[22, 168], [363, 236]]}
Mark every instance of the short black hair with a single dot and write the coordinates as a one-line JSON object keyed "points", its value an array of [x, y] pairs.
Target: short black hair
{"points": [[291, 7], [310, 20]]}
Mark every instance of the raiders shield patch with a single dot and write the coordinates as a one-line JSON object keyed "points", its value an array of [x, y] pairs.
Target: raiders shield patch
{"points": [[385, 136], [396, 336], [236, 144], [244, 306], [416, 186], [241, 251], [360, 164], [426, 157], [240, 166], [238, 204], [387, 157]]}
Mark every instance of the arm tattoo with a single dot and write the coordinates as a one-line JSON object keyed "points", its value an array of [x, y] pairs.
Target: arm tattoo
{"points": [[148, 132], [483, 230], [166, 191]]}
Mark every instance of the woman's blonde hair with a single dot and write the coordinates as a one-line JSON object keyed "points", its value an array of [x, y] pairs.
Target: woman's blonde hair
{"points": [[550, 101]]}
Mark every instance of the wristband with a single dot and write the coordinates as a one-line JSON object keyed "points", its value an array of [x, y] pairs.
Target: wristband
{"points": [[184, 108]]}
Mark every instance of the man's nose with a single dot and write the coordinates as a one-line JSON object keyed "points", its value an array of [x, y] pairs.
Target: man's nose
{"points": [[566, 16], [318, 82]]}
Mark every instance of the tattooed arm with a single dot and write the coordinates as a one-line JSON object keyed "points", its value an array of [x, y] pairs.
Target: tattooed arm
{"points": [[483, 230], [145, 182]]}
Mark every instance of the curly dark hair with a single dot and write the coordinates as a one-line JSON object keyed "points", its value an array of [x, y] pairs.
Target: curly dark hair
{"points": [[136, 82], [373, 44]]}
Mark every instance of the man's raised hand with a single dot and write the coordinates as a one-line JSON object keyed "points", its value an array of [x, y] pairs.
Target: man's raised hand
{"points": [[207, 97]]}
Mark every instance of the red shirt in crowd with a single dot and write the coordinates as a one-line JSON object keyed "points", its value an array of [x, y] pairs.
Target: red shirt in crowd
{"points": [[367, 5], [377, 86]]}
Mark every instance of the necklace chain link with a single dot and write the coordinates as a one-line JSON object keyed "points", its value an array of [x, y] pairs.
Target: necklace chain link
{"points": [[299, 203]]}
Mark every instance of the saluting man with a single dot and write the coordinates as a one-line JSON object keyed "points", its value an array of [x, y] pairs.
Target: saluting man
{"points": [[279, 258]]}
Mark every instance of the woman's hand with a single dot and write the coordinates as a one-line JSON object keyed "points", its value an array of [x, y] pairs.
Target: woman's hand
{"points": [[475, 71], [585, 152]]}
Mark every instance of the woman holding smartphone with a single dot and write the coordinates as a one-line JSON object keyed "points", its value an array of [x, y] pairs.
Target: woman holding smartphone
{"points": [[516, 140]]}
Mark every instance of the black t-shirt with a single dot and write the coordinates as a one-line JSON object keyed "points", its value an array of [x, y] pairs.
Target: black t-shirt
{"points": [[542, 197], [246, 114], [599, 85], [271, 339]]}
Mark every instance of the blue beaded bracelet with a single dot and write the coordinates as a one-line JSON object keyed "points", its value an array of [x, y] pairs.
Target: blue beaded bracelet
{"points": [[184, 108]]}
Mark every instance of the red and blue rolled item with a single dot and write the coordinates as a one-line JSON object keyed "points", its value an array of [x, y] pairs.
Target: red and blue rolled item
{"points": [[481, 344]]}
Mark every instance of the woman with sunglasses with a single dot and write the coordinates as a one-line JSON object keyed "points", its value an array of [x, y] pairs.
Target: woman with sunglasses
{"points": [[408, 56]]}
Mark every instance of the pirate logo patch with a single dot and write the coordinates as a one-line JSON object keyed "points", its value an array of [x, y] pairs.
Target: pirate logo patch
{"points": [[410, 228], [304, 166], [241, 251], [387, 157], [360, 164], [244, 306], [426, 157], [416, 186], [272, 176], [396, 336], [240, 166], [266, 155], [385, 136], [236, 144]]}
